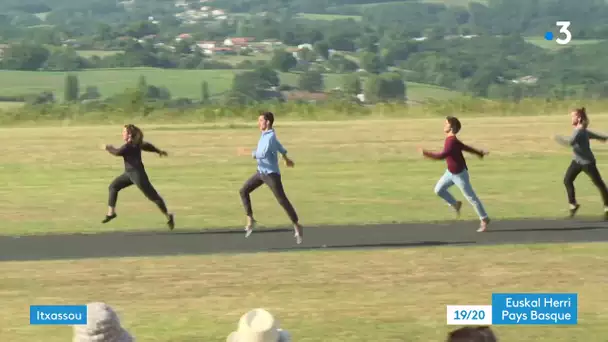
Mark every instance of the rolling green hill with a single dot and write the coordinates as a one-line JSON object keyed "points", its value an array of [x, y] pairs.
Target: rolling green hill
{"points": [[181, 83]]}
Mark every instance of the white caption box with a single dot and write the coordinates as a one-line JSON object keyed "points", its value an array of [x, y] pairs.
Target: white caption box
{"points": [[469, 314]]}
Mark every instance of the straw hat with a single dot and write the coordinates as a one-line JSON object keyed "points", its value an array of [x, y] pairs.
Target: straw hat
{"points": [[258, 325], [102, 325]]}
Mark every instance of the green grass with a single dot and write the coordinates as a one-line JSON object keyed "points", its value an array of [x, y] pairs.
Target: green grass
{"points": [[421, 92], [236, 59], [313, 16], [358, 296], [552, 45], [99, 53], [364, 171], [463, 3], [446, 2], [181, 83], [374, 4], [46, 26], [10, 105], [55, 180]]}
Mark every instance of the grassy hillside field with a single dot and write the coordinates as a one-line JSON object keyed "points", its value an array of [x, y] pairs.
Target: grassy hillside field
{"points": [[455, 2], [362, 7], [181, 83], [313, 16], [55, 180], [552, 45]]}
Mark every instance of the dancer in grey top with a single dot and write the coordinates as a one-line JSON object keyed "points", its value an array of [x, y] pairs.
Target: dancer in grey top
{"points": [[583, 159]]}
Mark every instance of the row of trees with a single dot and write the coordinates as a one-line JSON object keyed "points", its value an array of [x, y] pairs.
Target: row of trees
{"points": [[484, 66], [257, 85], [495, 17], [97, 24], [492, 16], [381, 42]]}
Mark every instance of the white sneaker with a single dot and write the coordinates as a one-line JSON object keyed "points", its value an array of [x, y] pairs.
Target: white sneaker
{"points": [[249, 228], [484, 225], [298, 232], [573, 209]]}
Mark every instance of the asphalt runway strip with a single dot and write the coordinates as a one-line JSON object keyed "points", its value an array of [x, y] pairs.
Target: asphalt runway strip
{"points": [[160, 242]]}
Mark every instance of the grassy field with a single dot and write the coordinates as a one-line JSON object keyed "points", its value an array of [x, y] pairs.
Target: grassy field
{"points": [[312, 16], [390, 295], [552, 45], [422, 92], [455, 2], [56, 179], [446, 2], [10, 105], [236, 59], [99, 53], [181, 83]]}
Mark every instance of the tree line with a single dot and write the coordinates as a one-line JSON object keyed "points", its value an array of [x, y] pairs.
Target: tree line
{"points": [[493, 64], [258, 85]]}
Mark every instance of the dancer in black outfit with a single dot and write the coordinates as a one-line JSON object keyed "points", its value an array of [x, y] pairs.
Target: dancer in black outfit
{"points": [[135, 172], [583, 159]]}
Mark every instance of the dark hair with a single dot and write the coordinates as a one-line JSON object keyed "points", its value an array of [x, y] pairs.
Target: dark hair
{"points": [[268, 116], [454, 124], [472, 334], [582, 114], [137, 136]]}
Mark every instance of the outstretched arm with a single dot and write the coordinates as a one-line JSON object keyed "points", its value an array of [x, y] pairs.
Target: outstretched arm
{"points": [[596, 136], [447, 150], [115, 151], [148, 147], [475, 151], [568, 141]]}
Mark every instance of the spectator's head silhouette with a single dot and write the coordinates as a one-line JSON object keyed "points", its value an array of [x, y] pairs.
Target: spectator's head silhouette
{"points": [[258, 325], [102, 325], [472, 334]]}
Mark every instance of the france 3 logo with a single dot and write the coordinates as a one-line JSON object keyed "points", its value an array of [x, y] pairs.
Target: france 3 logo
{"points": [[563, 30]]}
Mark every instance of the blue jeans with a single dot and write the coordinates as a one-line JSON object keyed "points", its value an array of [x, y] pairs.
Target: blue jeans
{"points": [[462, 181]]}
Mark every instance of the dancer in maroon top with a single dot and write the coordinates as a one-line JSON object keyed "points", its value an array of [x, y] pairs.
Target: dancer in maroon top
{"points": [[457, 172]]}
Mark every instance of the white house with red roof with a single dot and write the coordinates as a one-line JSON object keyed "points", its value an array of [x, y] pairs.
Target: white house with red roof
{"points": [[183, 36], [238, 41], [217, 12], [219, 51], [3, 47], [206, 44]]}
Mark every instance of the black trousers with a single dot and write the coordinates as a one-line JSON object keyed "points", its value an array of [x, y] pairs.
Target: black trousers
{"points": [[273, 180], [141, 180], [591, 170]]}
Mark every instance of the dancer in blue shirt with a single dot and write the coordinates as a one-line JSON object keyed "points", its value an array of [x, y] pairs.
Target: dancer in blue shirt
{"points": [[268, 173]]}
